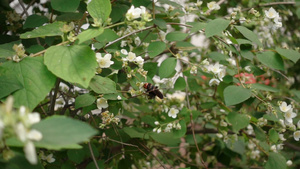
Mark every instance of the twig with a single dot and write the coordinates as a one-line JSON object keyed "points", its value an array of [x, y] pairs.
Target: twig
{"points": [[92, 154], [28, 6], [192, 123], [23, 7], [43, 51], [53, 98], [278, 3], [125, 36]]}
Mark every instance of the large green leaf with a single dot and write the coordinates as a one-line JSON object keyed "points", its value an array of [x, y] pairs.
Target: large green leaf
{"points": [[155, 48], [134, 132], [217, 56], [35, 78], [75, 64], [62, 132], [264, 87], [273, 136], [8, 84], [275, 161], [235, 95], [176, 36], [216, 26], [99, 9], [271, 59], [89, 34], [65, 5], [167, 68], [290, 54], [103, 85], [165, 138], [249, 35], [34, 20], [52, 29], [238, 121]]}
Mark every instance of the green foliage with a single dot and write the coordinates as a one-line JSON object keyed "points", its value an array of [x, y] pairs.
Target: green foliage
{"points": [[227, 72]]}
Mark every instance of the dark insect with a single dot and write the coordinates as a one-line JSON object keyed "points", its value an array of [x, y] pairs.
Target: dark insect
{"points": [[153, 91]]}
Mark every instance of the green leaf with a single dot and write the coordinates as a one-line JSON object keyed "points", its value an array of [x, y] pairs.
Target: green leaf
{"points": [[243, 41], [6, 50], [238, 121], [165, 138], [271, 59], [34, 20], [273, 136], [276, 161], [176, 36], [167, 68], [290, 54], [196, 26], [103, 85], [259, 133], [264, 87], [162, 24], [89, 34], [35, 78], [65, 5], [8, 84], [249, 35], [99, 9], [180, 84], [84, 100], [156, 48], [151, 67], [148, 120], [135, 132], [237, 146], [236, 94], [271, 117], [216, 26], [52, 29], [75, 64], [247, 54], [76, 155], [62, 132], [180, 133], [217, 56]]}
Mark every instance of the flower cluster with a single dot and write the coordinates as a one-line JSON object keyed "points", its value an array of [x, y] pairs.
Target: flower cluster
{"points": [[20, 52], [272, 14], [108, 118], [213, 5], [135, 13], [20, 122], [131, 57], [168, 127], [49, 158], [217, 69]]}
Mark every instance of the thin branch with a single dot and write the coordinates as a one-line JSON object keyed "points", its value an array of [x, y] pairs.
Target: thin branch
{"points": [[23, 7], [192, 123], [28, 6], [125, 36], [43, 51], [278, 3], [92, 154], [53, 98]]}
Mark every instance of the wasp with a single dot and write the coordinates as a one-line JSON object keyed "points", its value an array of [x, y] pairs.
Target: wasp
{"points": [[153, 91]]}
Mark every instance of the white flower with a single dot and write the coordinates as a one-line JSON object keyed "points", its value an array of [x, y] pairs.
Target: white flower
{"points": [[213, 5], [284, 107], [273, 148], [281, 137], [289, 116], [34, 135], [254, 154], [140, 61], [248, 68], [216, 68], [124, 52], [156, 122], [104, 62], [221, 74], [297, 135], [178, 126], [271, 13], [30, 153], [289, 163], [131, 57], [49, 158], [214, 82], [102, 103], [219, 135], [178, 95], [231, 61], [158, 130], [34, 118], [137, 41], [119, 97], [250, 130], [133, 13], [298, 124], [123, 43], [173, 112], [21, 131]]}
